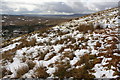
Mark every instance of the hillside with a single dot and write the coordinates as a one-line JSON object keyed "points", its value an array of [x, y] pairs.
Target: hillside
{"points": [[85, 47], [17, 25]]}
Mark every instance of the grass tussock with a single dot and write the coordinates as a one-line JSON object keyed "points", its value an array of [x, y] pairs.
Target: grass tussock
{"points": [[30, 63], [62, 69], [69, 55], [40, 72], [85, 27], [28, 43], [50, 56], [22, 70], [85, 59], [80, 73], [4, 72], [89, 27], [8, 55]]}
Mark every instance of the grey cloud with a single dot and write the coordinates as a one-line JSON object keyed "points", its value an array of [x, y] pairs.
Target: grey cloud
{"points": [[104, 5], [77, 7], [59, 7], [6, 9]]}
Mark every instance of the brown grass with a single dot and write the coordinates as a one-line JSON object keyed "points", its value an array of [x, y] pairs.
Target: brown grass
{"points": [[51, 56], [62, 69], [4, 72], [80, 73], [83, 71], [85, 27], [69, 55], [30, 64], [40, 72], [42, 55], [85, 60], [8, 55], [26, 43], [98, 44], [22, 70]]}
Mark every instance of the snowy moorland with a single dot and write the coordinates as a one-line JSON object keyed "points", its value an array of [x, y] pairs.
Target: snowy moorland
{"points": [[86, 47]]}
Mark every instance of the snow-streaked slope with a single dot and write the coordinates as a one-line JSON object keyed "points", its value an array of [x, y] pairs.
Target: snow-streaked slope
{"points": [[65, 51]]}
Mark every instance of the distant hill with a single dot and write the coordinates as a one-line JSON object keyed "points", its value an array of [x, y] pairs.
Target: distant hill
{"points": [[51, 16], [62, 16]]}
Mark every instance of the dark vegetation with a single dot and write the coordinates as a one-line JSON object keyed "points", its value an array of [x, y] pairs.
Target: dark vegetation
{"points": [[14, 26]]}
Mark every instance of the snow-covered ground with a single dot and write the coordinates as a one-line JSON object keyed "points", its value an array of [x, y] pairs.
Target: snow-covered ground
{"points": [[44, 54]]}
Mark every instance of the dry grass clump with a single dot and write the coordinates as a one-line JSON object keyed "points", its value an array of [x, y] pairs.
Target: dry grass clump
{"points": [[62, 69], [69, 38], [80, 73], [26, 43], [8, 55], [32, 42], [81, 39], [70, 46], [98, 44], [85, 27], [117, 73], [97, 60], [89, 27], [40, 72], [68, 54], [85, 59], [41, 56], [64, 41], [30, 64], [61, 50], [59, 42], [22, 70], [50, 56], [60, 33], [4, 72]]}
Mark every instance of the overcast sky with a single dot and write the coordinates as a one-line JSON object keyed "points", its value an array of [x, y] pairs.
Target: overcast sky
{"points": [[55, 6]]}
